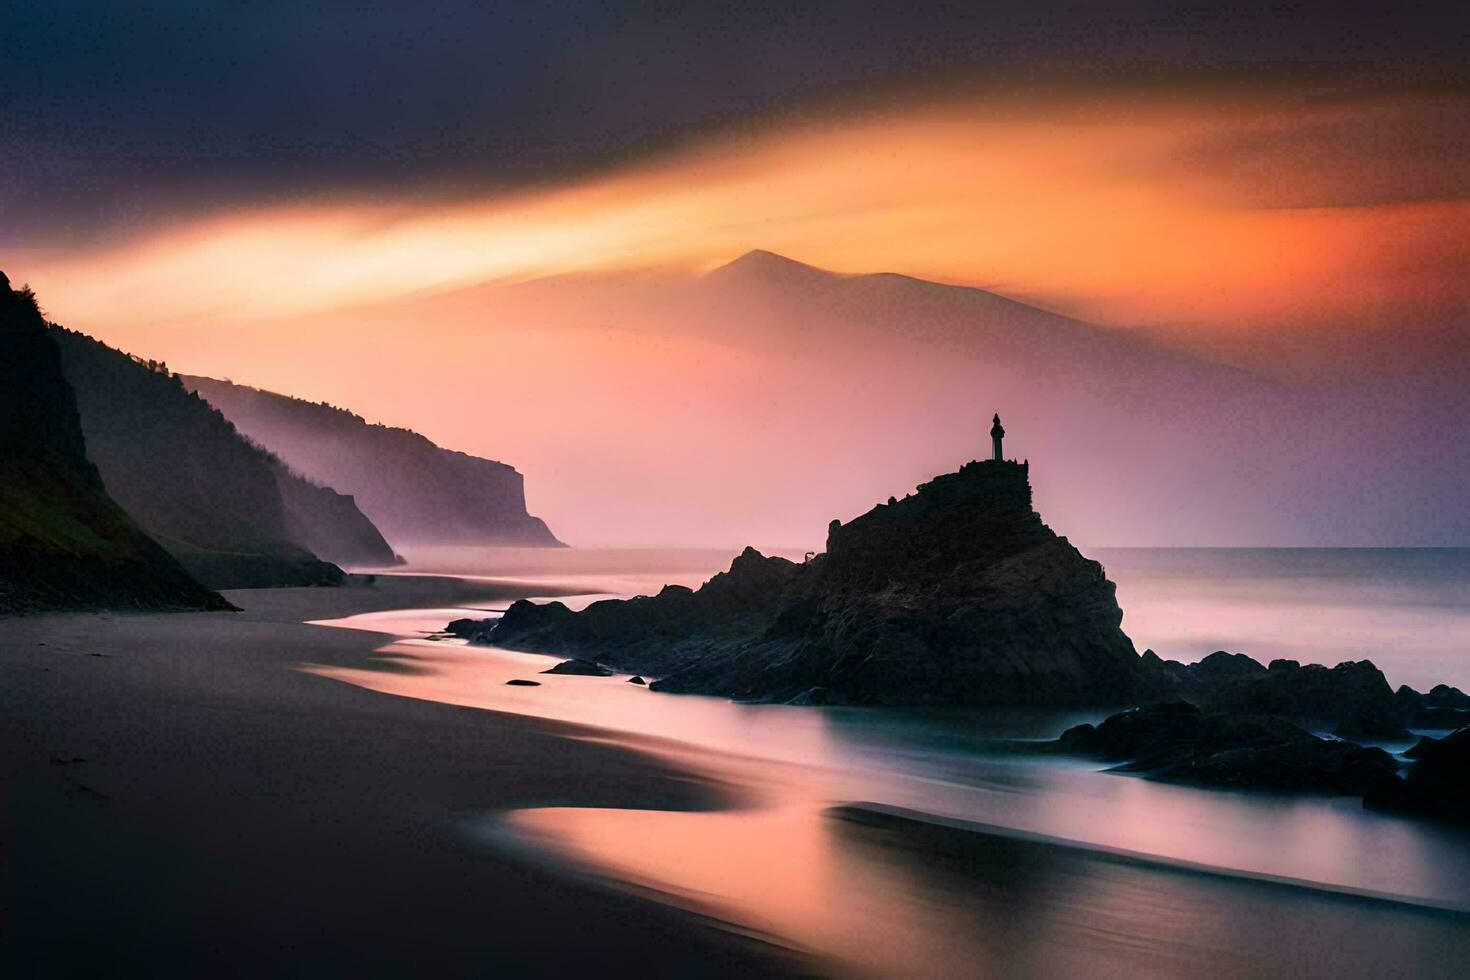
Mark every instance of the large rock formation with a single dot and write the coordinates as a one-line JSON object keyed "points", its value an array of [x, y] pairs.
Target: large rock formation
{"points": [[957, 594], [64, 543], [231, 512], [414, 491]]}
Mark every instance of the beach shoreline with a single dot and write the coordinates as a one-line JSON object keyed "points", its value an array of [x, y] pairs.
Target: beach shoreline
{"points": [[181, 799]]}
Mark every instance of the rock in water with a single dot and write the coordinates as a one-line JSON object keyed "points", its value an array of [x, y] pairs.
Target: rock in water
{"points": [[957, 594], [1438, 785], [1418, 749], [580, 668], [1180, 743]]}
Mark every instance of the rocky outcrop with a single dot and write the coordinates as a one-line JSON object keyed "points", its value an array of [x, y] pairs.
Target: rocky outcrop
{"points": [[1353, 699], [1180, 743], [579, 668], [1438, 784], [1444, 708], [414, 491], [956, 594], [64, 542]]}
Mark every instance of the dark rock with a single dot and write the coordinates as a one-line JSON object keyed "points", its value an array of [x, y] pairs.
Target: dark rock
{"points": [[518, 682], [1353, 695], [580, 668], [1133, 734], [1417, 750], [1380, 725], [1440, 719], [1356, 689], [635, 679], [1438, 784], [470, 629], [1444, 696], [812, 696], [1180, 743], [958, 594], [1221, 666], [1444, 708]]}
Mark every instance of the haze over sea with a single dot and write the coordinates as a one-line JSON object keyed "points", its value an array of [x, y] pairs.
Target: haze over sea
{"points": [[1406, 609], [1092, 871]]}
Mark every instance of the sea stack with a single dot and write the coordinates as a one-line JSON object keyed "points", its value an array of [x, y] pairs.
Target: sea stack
{"points": [[958, 594]]}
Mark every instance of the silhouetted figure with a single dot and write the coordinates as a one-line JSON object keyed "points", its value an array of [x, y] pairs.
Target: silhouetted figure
{"points": [[997, 433]]}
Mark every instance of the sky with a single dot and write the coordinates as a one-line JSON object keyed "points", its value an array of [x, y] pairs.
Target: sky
{"points": [[1280, 187]]}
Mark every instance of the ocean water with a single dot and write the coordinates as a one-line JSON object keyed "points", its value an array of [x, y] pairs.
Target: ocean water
{"points": [[1208, 883], [1405, 609]]}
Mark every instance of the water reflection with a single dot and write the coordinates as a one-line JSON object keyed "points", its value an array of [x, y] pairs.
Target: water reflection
{"points": [[1135, 899], [946, 764], [885, 901], [1406, 609]]}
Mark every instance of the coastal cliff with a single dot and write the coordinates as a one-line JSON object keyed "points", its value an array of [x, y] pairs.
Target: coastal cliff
{"points": [[957, 594], [64, 543], [230, 511], [414, 491]]}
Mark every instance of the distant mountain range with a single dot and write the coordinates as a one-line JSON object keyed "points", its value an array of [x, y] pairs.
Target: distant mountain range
{"points": [[411, 489], [231, 512], [64, 542], [818, 391]]}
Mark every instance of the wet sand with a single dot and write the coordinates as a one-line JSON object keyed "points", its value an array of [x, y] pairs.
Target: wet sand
{"points": [[1116, 876], [202, 794], [1019, 905], [179, 798]]}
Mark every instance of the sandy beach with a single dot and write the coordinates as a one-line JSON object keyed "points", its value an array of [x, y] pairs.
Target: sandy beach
{"points": [[180, 799], [268, 792]]}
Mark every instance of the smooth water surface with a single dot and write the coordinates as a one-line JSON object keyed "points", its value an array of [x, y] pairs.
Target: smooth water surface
{"points": [[781, 864]]}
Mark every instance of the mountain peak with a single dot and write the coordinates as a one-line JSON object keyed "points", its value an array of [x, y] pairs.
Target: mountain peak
{"points": [[761, 266]]}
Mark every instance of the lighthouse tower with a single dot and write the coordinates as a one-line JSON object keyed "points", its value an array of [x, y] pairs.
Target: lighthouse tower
{"points": [[997, 433]]}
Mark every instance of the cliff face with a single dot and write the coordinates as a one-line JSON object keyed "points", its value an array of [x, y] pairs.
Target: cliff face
{"points": [[229, 511], [64, 543], [413, 490], [957, 594], [329, 523]]}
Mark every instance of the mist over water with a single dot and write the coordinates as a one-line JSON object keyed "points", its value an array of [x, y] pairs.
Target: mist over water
{"points": [[1405, 609], [1128, 876]]}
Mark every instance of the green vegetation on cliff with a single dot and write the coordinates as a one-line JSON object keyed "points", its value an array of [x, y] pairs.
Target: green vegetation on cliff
{"points": [[64, 543]]}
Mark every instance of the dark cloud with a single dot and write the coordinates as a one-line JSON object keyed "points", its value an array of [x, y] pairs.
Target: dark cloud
{"points": [[114, 114]]}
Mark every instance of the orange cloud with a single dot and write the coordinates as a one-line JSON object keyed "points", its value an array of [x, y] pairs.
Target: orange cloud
{"points": [[1128, 212]]}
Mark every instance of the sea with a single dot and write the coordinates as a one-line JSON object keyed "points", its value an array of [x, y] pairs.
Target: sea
{"points": [[1040, 865]]}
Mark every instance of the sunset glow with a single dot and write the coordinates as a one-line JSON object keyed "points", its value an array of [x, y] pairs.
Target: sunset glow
{"points": [[1214, 213], [853, 489]]}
